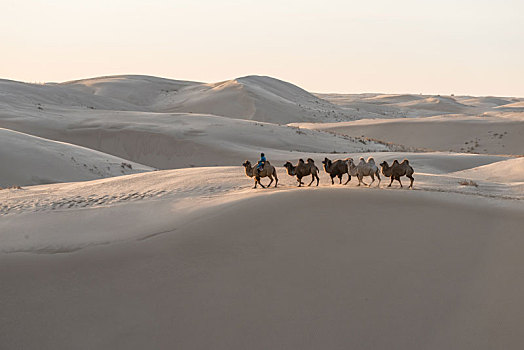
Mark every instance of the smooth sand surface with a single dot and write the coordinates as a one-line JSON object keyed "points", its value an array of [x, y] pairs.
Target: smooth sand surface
{"points": [[464, 134], [316, 268], [31, 160]]}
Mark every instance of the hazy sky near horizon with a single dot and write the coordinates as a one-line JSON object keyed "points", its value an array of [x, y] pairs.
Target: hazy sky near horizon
{"points": [[463, 47]]}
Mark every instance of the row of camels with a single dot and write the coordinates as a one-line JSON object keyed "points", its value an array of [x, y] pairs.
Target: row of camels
{"points": [[335, 168]]}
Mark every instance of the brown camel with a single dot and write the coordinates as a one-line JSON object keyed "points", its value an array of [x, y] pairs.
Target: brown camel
{"points": [[303, 169], [336, 168], [267, 171], [396, 170]]}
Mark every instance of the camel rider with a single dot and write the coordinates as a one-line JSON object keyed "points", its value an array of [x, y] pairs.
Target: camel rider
{"points": [[261, 163]]}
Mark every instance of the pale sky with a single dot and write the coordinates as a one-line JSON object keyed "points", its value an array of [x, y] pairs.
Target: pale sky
{"points": [[471, 47]]}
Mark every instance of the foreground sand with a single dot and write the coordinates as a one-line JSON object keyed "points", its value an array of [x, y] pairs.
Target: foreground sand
{"points": [[331, 268]]}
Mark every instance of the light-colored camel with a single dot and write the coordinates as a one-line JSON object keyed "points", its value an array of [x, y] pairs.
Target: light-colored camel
{"points": [[336, 168], [364, 168], [396, 170], [303, 169], [267, 171]]}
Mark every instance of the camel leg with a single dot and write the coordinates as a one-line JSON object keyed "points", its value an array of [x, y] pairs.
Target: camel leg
{"points": [[391, 181], [317, 180], [299, 182], [332, 182], [340, 179], [361, 179], [398, 179], [372, 180], [312, 179], [260, 183], [378, 176], [412, 179], [349, 178], [270, 182]]}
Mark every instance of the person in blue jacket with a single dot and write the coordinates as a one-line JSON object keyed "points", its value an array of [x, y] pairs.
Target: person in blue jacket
{"points": [[261, 163]]}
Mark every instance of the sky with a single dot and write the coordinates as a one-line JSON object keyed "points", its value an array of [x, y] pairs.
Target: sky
{"points": [[430, 47]]}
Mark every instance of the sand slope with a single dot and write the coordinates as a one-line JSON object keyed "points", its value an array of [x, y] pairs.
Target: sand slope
{"points": [[253, 97], [457, 133], [31, 160], [179, 140], [195, 189], [511, 170], [372, 105], [324, 273], [137, 90], [16, 95]]}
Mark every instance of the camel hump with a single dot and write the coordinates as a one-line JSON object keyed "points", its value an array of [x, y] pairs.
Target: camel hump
{"points": [[301, 160], [310, 160], [371, 160], [405, 161], [395, 162]]}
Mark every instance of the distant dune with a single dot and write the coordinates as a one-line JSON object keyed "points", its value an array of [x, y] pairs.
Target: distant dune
{"points": [[30, 160], [253, 97], [456, 133], [511, 170], [436, 103], [137, 90]]}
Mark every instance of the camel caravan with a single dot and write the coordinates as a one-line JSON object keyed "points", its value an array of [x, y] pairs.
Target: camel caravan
{"points": [[334, 168]]}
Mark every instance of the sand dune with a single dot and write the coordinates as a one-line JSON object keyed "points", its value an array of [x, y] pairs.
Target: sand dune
{"points": [[485, 101], [138, 90], [513, 106], [457, 133], [380, 106], [253, 97], [208, 257], [177, 140], [31, 160], [388, 99], [511, 170], [191, 189], [436, 103], [37, 98]]}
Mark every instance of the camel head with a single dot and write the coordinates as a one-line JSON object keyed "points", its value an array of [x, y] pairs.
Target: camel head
{"points": [[246, 164], [384, 164], [327, 163], [289, 168]]}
